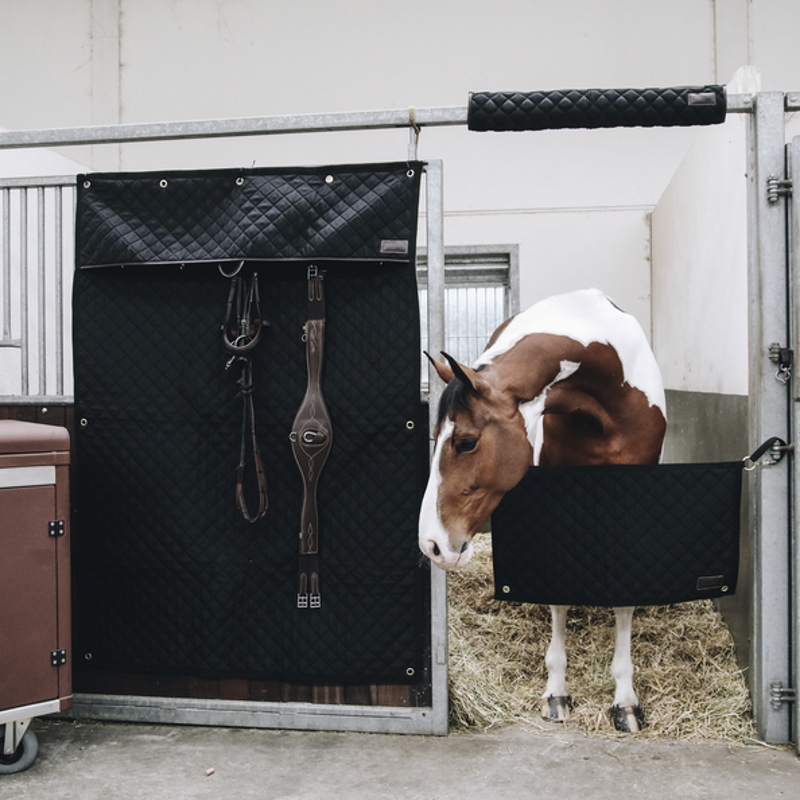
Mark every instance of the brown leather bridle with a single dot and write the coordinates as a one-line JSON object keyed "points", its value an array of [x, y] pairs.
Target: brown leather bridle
{"points": [[241, 332]]}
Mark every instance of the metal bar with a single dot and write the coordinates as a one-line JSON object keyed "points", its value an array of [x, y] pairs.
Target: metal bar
{"points": [[38, 400], [768, 494], [59, 288], [434, 211], [793, 162], [5, 197], [261, 126], [243, 126], [740, 103], [32, 182], [23, 289], [250, 714], [41, 290]]}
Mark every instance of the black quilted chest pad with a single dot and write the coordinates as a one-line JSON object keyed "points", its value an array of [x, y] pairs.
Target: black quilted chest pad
{"points": [[618, 535], [169, 577]]}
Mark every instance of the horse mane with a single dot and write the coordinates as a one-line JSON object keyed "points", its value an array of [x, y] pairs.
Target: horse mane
{"points": [[455, 397]]}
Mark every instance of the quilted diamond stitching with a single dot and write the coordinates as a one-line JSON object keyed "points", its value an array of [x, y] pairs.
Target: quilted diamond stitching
{"points": [[135, 219], [170, 578], [593, 108], [618, 535]]}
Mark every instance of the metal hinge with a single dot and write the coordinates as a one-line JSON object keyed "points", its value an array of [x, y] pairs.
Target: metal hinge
{"points": [[777, 187], [58, 658], [56, 527], [784, 358], [780, 694]]}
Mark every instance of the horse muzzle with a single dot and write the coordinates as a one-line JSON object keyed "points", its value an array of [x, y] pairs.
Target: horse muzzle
{"points": [[445, 554]]}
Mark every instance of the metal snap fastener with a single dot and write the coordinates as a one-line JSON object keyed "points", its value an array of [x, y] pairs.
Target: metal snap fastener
{"points": [[329, 179]]}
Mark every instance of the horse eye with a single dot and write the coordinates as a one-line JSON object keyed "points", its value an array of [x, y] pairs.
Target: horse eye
{"points": [[466, 445]]}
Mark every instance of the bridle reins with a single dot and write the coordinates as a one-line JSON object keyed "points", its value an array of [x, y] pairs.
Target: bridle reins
{"points": [[241, 332]]}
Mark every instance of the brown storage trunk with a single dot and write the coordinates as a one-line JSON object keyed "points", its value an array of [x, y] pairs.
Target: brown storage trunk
{"points": [[35, 616]]}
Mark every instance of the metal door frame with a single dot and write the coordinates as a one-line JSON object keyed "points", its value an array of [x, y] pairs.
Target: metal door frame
{"points": [[787, 691], [770, 492]]}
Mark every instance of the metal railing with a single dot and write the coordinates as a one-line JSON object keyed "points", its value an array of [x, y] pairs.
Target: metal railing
{"points": [[36, 266]]}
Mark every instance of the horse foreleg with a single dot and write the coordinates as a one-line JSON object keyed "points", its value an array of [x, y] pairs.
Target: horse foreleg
{"points": [[556, 702], [626, 714]]}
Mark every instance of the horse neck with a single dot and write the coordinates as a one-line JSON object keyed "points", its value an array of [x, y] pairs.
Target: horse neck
{"points": [[527, 368]]}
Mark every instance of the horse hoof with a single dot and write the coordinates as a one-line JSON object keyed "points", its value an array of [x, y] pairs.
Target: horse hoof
{"points": [[627, 719], [556, 709]]}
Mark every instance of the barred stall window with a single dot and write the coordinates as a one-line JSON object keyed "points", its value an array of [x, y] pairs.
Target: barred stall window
{"points": [[481, 290]]}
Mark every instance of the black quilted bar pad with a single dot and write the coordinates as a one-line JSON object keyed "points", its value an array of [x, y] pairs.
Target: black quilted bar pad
{"points": [[619, 535], [343, 213], [169, 579], [596, 108]]}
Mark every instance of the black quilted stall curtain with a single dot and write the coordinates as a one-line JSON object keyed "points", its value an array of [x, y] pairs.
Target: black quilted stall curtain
{"points": [[619, 534], [169, 576]]}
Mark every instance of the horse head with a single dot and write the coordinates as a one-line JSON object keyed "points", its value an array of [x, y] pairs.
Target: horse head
{"points": [[481, 452]]}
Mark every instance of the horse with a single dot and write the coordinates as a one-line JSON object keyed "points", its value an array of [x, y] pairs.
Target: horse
{"points": [[570, 381]]}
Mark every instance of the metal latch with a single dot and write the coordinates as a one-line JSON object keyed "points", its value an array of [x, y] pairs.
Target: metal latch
{"points": [[780, 694], [784, 358], [777, 187], [56, 527], [58, 658]]}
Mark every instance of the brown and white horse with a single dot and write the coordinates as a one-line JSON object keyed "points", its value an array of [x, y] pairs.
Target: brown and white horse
{"points": [[570, 381]]}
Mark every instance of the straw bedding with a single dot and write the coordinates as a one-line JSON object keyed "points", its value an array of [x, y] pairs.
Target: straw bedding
{"points": [[686, 674]]}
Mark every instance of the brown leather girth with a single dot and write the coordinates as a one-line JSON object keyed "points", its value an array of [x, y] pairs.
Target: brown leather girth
{"points": [[241, 333], [311, 439]]}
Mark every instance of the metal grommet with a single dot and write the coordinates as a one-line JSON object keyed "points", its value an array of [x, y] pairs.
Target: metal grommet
{"points": [[506, 589], [162, 183], [724, 589], [329, 179], [410, 671], [240, 181], [84, 422], [87, 184], [411, 425], [87, 656], [410, 173]]}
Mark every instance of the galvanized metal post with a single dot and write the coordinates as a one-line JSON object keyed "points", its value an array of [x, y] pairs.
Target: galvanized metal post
{"points": [[434, 210], [769, 415], [793, 170]]}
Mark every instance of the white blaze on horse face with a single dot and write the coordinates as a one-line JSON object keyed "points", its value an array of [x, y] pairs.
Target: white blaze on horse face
{"points": [[589, 316], [434, 540]]}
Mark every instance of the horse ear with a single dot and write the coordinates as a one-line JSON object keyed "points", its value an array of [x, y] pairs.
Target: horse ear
{"points": [[467, 376], [444, 372]]}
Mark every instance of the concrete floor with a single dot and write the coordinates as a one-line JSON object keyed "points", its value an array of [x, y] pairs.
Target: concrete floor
{"points": [[117, 761]]}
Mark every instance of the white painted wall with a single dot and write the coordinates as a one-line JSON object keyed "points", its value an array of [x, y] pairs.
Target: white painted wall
{"points": [[699, 278], [577, 202]]}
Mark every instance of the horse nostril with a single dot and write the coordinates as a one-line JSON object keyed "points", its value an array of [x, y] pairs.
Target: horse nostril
{"points": [[464, 547], [436, 550]]}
